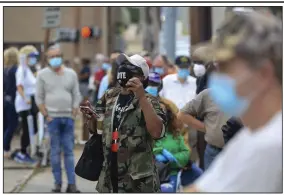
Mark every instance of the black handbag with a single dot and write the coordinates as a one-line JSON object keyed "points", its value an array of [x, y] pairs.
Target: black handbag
{"points": [[163, 171], [90, 163]]}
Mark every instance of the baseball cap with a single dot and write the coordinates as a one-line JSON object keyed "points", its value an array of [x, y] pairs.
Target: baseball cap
{"points": [[183, 61], [33, 54], [135, 60], [245, 33], [154, 77]]}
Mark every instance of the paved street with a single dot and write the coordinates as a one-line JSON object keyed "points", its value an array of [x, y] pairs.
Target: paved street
{"points": [[42, 180]]}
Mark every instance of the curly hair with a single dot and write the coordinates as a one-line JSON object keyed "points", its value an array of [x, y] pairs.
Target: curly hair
{"points": [[11, 56], [174, 125]]}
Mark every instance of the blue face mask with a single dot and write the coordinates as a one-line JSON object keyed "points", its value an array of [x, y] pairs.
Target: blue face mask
{"points": [[222, 90], [32, 61], [159, 70], [106, 66], [55, 62], [152, 90], [183, 73]]}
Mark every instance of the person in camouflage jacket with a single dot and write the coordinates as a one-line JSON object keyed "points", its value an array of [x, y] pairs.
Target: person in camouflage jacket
{"points": [[138, 124]]}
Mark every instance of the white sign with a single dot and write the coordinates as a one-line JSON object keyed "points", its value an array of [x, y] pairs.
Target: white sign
{"points": [[52, 17]]}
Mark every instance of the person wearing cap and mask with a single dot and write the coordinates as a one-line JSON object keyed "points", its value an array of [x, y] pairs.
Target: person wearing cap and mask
{"points": [[248, 85], [130, 120], [166, 149], [58, 98], [24, 101], [180, 87], [155, 85]]}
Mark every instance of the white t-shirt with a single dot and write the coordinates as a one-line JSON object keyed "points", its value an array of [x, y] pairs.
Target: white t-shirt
{"points": [[25, 78], [251, 162], [177, 92]]}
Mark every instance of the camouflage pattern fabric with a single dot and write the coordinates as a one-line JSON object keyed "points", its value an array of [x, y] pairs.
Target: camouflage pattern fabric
{"points": [[249, 35], [136, 168]]}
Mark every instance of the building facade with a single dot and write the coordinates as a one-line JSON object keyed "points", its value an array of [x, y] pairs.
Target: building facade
{"points": [[23, 25]]}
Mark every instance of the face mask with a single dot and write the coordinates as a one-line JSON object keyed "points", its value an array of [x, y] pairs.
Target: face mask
{"points": [[55, 62], [152, 90], [106, 66], [32, 61], [223, 93], [159, 70], [199, 70], [123, 75], [183, 73]]}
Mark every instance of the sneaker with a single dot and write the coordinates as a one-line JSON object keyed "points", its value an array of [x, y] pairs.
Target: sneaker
{"points": [[32, 161], [71, 188], [23, 158], [57, 188]]}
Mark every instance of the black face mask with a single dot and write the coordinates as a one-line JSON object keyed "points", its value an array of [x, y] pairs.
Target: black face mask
{"points": [[123, 75]]}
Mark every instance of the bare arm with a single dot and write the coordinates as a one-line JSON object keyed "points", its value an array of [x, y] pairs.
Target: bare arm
{"points": [[20, 89], [191, 121], [194, 108], [154, 123], [20, 81]]}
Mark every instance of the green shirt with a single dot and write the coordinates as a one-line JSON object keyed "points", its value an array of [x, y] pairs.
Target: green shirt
{"points": [[177, 147]]}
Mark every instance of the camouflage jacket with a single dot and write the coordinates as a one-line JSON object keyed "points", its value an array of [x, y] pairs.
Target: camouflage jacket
{"points": [[136, 168]]}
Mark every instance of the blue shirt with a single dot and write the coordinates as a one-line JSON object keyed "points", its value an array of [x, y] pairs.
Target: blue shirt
{"points": [[84, 70], [103, 86], [9, 84]]}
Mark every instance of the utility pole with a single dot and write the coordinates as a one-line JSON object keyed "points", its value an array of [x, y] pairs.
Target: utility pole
{"points": [[169, 31]]}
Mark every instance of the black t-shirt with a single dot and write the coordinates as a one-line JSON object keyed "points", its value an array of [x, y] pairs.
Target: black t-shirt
{"points": [[84, 70], [122, 104]]}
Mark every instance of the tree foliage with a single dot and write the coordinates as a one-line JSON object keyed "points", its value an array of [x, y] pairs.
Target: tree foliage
{"points": [[134, 14]]}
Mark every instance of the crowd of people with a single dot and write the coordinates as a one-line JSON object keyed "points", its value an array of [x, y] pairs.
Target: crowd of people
{"points": [[213, 119]]}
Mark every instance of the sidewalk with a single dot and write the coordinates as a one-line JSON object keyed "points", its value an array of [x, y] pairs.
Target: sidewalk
{"points": [[14, 173], [42, 181]]}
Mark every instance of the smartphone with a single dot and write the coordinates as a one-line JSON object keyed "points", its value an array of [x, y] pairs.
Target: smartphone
{"points": [[90, 111]]}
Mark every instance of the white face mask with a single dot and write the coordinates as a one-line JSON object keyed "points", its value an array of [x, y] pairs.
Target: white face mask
{"points": [[199, 70]]}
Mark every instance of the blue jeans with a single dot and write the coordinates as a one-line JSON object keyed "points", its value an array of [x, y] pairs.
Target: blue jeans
{"points": [[61, 131], [10, 124], [210, 154], [187, 176]]}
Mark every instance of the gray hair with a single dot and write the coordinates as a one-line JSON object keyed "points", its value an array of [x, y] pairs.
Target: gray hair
{"points": [[54, 46], [254, 37]]}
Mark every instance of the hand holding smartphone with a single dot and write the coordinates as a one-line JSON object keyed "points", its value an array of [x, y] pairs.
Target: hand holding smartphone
{"points": [[86, 110]]}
